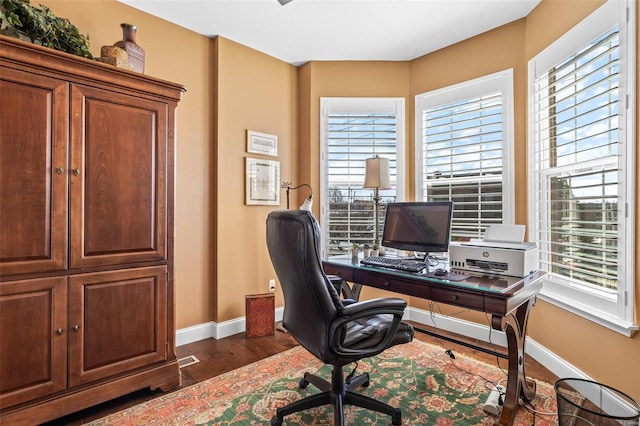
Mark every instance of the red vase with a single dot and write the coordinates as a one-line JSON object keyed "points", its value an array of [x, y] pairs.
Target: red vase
{"points": [[129, 45]]}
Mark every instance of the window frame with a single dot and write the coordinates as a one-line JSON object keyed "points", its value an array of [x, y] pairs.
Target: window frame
{"points": [[358, 105], [615, 312], [499, 81]]}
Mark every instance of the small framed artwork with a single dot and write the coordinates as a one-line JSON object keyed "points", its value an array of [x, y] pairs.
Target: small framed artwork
{"points": [[262, 143], [262, 182]]}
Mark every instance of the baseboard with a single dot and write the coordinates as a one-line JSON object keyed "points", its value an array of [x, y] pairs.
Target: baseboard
{"points": [[216, 330], [483, 333]]}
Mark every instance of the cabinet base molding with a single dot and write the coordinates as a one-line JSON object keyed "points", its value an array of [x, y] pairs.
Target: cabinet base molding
{"points": [[165, 377]]}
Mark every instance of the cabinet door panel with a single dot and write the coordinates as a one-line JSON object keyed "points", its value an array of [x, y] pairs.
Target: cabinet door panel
{"points": [[118, 322], [118, 184], [33, 195], [32, 351]]}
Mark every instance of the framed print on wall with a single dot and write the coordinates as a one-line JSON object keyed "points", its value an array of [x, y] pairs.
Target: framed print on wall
{"points": [[262, 143], [262, 182]]}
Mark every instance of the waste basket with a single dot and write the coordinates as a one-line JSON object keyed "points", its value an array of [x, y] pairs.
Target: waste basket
{"points": [[587, 403]]}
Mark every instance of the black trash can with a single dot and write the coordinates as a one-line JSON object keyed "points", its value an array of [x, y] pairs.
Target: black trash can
{"points": [[587, 403]]}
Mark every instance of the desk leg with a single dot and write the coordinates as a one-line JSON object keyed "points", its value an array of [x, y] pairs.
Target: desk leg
{"points": [[515, 328]]}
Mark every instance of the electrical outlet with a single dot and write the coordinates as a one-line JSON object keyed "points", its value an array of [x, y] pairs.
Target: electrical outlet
{"points": [[272, 285]]}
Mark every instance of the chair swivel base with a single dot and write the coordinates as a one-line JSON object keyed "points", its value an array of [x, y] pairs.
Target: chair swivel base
{"points": [[338, 394]]}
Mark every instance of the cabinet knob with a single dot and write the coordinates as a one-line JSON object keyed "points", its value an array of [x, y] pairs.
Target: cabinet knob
{"points": [[75, 328], [76, 171], [60, 170], [59, 331]]}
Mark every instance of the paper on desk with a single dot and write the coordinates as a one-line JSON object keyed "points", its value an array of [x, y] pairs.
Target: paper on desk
{"points": [[505, 233]]}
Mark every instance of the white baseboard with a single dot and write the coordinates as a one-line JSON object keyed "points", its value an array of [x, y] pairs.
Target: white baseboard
{"points": [[484, 333], [216, 330]]}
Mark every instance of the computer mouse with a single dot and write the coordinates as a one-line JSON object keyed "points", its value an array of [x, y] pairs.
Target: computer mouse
{"points": [[440, 272]]}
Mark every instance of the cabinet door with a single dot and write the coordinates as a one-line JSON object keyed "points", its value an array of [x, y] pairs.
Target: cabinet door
{"points": [[33, 339], [119, 178], [117, 321], [33, 174]]}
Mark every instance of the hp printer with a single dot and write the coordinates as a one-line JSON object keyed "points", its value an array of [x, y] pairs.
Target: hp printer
{"points": [[501, 251]]}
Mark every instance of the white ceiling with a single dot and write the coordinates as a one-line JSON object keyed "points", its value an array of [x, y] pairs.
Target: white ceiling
{"points": [[305, 30]]}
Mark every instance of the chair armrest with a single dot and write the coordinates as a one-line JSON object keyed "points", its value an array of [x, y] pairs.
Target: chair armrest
{"points": [[367, 308]]}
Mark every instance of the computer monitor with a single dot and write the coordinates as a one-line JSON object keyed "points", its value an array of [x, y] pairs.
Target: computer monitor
{"points": [[418, 226]]}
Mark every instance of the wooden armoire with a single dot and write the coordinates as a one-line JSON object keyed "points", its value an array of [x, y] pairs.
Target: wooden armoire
{"points": [[86, 232]]}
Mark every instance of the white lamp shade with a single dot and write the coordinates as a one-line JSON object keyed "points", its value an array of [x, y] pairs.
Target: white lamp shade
{"points": [[377, 173], [308, 202]]}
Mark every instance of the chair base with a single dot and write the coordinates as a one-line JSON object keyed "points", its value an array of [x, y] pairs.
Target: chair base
{"points": [[338, 394]]}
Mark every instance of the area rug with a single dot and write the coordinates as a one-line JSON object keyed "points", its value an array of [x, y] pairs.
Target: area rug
{"points": [[429, 387]]}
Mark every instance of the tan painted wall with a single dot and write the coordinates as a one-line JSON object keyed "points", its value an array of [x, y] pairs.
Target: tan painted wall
{"points": [[255, 92], [232, 88]]}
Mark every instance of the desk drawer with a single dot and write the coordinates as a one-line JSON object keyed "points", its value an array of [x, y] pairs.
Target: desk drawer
{"points": [[392, 283], [346, 273], [455, 296]]}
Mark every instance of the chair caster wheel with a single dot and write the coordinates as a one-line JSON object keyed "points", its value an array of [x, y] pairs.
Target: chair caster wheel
{"points": [[303, 383], [275, 421]]}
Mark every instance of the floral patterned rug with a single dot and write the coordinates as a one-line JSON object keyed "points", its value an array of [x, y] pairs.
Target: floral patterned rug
{"points": [[429, 387]]}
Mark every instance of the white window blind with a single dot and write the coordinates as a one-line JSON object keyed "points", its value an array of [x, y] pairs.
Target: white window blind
{"points": [[354, 130], [464, 135], [576, 164], [582, 174]]}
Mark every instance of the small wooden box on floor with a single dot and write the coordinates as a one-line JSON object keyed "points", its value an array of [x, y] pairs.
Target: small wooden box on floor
{"points": [[260, 314]]}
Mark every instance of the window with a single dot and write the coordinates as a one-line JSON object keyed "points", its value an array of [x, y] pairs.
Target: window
{"points": [[581, 157], [352, 130], [463, 145]]}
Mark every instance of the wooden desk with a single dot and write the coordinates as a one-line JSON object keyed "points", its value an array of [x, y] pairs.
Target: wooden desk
{"points": [[507, 299]]}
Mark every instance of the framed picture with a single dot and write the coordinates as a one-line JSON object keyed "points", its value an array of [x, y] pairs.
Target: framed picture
{"points": [[262, 181], [262, 143]]}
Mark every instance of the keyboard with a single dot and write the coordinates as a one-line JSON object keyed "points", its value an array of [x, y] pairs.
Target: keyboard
{"points": [[394, 263]]}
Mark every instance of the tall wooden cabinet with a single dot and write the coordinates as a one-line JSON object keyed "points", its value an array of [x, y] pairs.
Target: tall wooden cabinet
{"points": [[86, 233]]}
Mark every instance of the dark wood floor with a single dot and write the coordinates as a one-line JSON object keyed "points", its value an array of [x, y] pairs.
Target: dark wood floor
{"points": [[219, 356]]}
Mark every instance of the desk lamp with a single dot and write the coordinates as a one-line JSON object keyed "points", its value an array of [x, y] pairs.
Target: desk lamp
{"points": [[377, 178], [308, 202]]}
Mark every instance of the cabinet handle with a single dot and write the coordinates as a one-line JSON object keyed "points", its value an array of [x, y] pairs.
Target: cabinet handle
{"points": [[60, 170], [75, 328], [59, 331], [76, 171]]}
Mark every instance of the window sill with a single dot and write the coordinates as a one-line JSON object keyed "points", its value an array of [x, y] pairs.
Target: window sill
{"points": [[588, 312]]}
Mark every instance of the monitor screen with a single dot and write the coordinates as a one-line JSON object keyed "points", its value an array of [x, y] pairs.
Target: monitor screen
{"points": [[418, 226]]}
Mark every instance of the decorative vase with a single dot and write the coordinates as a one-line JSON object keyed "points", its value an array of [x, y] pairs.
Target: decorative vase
{"points": [[129, 45]]}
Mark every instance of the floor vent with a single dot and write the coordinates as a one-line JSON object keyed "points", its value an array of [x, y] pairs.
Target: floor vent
{"points": [[188, 360]]}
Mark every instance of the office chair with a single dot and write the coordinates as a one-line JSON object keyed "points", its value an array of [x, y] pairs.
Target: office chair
{"points": [[336, 333]]}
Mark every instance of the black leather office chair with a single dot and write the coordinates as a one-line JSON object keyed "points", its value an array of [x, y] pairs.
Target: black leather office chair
{"points": [[336, 333]]}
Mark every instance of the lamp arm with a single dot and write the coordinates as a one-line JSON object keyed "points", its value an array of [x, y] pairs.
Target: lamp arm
{"points": [[289, 188]]}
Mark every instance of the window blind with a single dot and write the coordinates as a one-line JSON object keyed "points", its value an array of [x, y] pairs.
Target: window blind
{"points": [[462, 161], [576, 164], [351, 139]]}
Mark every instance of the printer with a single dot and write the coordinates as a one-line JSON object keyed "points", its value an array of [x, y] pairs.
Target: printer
{"points": [[501, 251]]}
